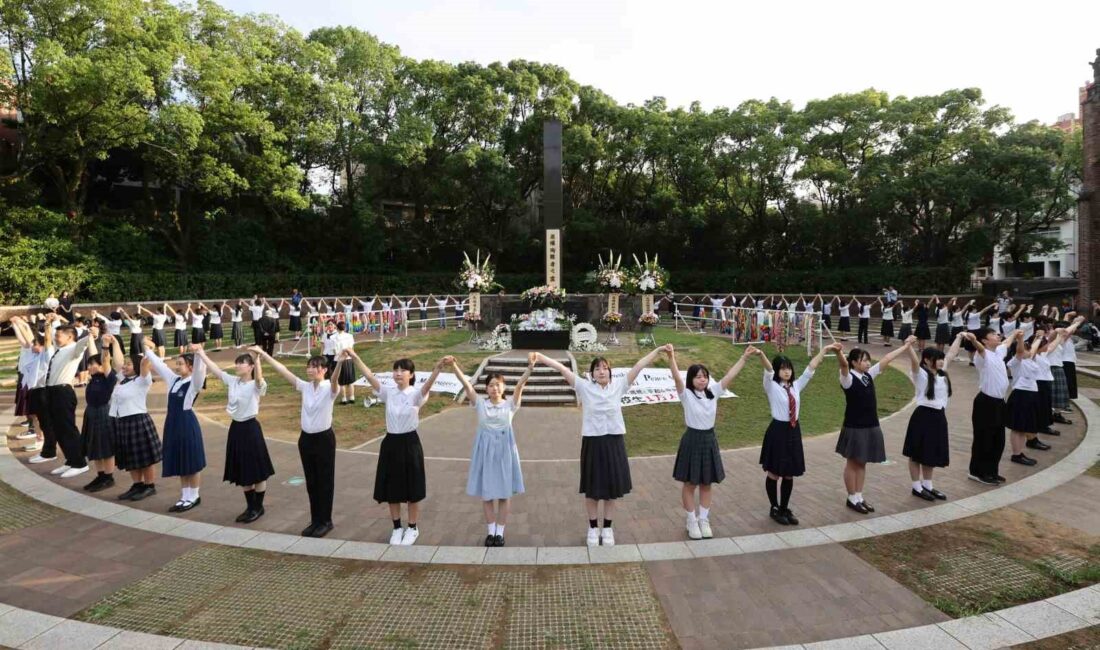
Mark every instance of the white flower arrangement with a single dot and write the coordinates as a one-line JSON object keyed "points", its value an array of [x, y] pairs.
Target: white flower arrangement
{"points": [[499, 340], [543, 296], [648, 277], [588, 346], [478, 276], [543, 320], [609, 276]]}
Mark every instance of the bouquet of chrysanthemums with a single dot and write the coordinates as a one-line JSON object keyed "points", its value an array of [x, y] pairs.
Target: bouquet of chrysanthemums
{"points": [[648, 276], [476, 276]]}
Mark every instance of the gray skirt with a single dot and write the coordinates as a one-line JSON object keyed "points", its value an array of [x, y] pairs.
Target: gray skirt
{"points": [[864, 445], [698, 460]]}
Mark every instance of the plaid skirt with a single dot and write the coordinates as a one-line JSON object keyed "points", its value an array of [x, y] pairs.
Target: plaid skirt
{"points": [[698, 461], [95, 433], [135, 441], [1059, 393]]}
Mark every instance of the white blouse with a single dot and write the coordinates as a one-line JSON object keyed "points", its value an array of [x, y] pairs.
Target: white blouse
{"points": [[237, 317], [700, 412], [920, 381], [402, 408], [887, 313], [1069, 351], [973, 321], [317, 401], [907, 317], [135, 325], [159, 320], [192, 384], [957, 319], [244, 396], [114, 327], [128, 397], [495, 417], [329, 344], [942, 316], [215, 318], [342, 341], [257, 311], [601, 407], [181, 323], [1044, 368], [844, 311], [196, 321], [864, 311], [1024, 374], [992, 373], [778, 401]]}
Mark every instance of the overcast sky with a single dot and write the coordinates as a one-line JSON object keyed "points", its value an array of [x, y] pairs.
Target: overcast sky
{"points": [[1030, 57]]}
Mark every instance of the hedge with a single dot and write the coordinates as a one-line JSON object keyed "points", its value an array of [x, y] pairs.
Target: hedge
{"points": [[32, 286]]}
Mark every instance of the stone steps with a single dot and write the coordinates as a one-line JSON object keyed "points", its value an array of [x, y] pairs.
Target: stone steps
{"points": [[546, 386]]}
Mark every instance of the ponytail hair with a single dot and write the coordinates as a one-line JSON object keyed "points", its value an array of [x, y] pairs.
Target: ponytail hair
{"points": [[928, 360]]}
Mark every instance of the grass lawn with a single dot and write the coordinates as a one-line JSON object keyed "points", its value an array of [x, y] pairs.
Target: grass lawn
{"points": [[652, 429]]}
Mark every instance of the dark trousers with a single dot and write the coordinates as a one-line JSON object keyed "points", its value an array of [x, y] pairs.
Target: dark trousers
{"points": [[861, 335], [1071, 378], [61, 406], [987, 420], [256, 336], [267, 342], [318, 453], [37, 397]]}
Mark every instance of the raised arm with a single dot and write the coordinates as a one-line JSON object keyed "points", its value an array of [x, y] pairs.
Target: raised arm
{"points": [[521, 383], [168, 308], [21, 334], [280, 368], [471, 392], [215, 368], [953, 351], [427, 385], [566, 373], [371, 379], [734, 370], [159, 366], [914, 360], [642, 363], [336, 370], [841, 361], [820, 356], [676, 378], [256, 350], [117, 359], [894, 354]]}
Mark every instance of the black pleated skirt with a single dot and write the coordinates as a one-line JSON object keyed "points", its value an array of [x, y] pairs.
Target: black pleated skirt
{"points": [[605, 472], [347, 374], [923, 332], [137, 347], [862, 444], [95, 433], [135, 441], [246, 459], [198, 335], [180, 338], [943, 333], [698, 460], [926, 438], [1070, 368], [400, 476], [905, 331], [216, 331], [845, 324], [1023, 411], [295, 323], [158, 338], [828, 320], [1044, 417], [22, 397], [781, 453], [887, 329]]}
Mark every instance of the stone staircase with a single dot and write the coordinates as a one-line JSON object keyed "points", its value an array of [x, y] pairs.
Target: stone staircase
{"points": [[546, 387]]}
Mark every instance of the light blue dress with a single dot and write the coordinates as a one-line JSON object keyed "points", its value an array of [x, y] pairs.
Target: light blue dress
{"points": [[494, 463]]}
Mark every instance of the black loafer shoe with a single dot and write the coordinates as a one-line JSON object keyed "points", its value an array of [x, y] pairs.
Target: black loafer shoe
{"points": [[498, 540], [176, 507], [1037, 444], [779, 517], [937, 494], [129, 494], [1061, 419], [923, 494], [999, 478], [1050, 432], [791, 519], [860, 507], [144, 493], [870, 508], [253, 515], [244, 515], [1023, 460], [323, 529], [490, 539], [308, 530]]}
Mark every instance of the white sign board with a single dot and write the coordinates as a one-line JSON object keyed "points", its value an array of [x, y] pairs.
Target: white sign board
{"points": [[446, 382], [652, 386]]}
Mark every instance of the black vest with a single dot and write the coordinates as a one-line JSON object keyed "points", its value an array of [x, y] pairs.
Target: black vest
{"points": [[861, 408]]}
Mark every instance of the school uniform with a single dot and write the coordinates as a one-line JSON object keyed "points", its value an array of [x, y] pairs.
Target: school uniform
{"points": [[781, 452], [180, 339], [158, 330], [23, 381], [137, 345], [1059, 395], [247, 461], [860, 436], [1008, 328], [605, 472], [495, 471], [827, 315], [922, 331], [1024, 403], [198, 334], [698, 460], [344, 341], [1069, 365], [926, 440], [943, 326], [845, 324], [61, 400], [296, 320], [184, 451], [957, 324], [400, 476], [133, 435], [328, 349], [987, 418], [1044, 381], [906, 329], [114, 328], [256, 312], [317, 447], [217, 333], [95, 429], [887, 329], [82, 366], [973, 324], [994, 324], [864, 323], [34, 375], [237, 319]]}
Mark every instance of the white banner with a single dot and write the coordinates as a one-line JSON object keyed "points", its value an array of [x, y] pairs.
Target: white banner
{"points": [[446, 382], [653, 386]]}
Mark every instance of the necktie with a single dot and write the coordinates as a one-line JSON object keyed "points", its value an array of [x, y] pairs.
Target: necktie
{"points": [[864, 379], [49, 367], [792, 408], [127, 380]]}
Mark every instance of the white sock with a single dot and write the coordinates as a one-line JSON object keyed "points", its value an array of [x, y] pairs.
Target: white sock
{"points": [[194, 493], [853, 498], [859, 497], [917, 486], [492, 529], [500, 530], [704, 513], [927, 484], [690, 516]]}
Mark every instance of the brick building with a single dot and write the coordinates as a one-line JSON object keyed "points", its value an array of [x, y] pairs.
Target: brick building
{"points": [[1088, 206]]}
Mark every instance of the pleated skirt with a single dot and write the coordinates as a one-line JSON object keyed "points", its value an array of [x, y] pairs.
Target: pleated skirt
{"points": [[943, 333], [887, 329], [923, 332], [845, 324], [1023, 411], [698, 460], [605, 472], [198, 335], [179, 338], [1059, 394], [862, 444], [184, 452], [246, 459], [1046, 402], [158, 338], [347, 374], [926, 438], [1070, 369], [216, 331], [781, 453], [905, 331], [494, 465], [135, 441], [400, 477], [295, 323], [95, 432]]}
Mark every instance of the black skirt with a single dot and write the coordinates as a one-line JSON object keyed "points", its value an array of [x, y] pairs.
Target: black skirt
{"points": [[36, 401], [781, 454], [1044, 417], [400, 476], [923, 332], [22, 397], [135, 442], [698, 460], [861, 444], [216, 332], [1071, 378], [605, 472], [887, 329], [845, 324], [137, 348], [180, 339], [246, 459], [295, 323], [926, 438], [943, 333], [905, 331], [1023, 411], [347, 374], [198, 335], [828, 320], [95, 433], [955, 332], [158, 338]]}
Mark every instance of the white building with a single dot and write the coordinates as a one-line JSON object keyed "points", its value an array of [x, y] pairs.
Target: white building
{"points": [[1061, 263]]}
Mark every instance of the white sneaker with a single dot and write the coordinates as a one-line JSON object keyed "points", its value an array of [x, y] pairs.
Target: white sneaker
{"points": [[60, 470], [608, 537], [74, 471], [593, 537], [704, 527], [395, 536], [409, 538], [26, 435], [40, 459], [693, 529], [34, 446]]}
